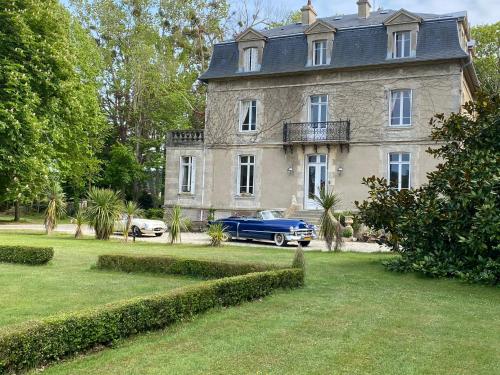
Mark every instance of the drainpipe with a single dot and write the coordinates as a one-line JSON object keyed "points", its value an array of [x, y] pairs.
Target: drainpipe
{"points": [[203, 182]]}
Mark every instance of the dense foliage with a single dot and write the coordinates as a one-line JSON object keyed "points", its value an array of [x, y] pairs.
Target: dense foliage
{"points": [[26, 254], [50, 116], [451, 225], [217, 234], [487, 55], [178, 266], [35, 343]]}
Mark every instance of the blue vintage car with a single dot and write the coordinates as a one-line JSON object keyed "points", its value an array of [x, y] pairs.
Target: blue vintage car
{"points": [[268, 226]]}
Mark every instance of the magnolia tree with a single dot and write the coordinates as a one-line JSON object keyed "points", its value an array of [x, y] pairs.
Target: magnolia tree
{"points": [[450, 226]]}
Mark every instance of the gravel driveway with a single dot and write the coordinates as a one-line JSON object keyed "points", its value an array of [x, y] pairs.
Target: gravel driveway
{"points": [[201, 238]]}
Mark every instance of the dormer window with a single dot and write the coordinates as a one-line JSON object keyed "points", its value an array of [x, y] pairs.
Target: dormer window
{"points": [[319, 52], [251, 58], [402, 42]]}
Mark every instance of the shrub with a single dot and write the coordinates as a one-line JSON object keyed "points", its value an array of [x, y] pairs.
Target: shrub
{"points": [[78, 220], [56, 206], [104, 208], [299, 261], [26, 254], [347, 232], [448, 227], [179, 266], [35, 343], [154, 213], [329, 227], [217, 234]]}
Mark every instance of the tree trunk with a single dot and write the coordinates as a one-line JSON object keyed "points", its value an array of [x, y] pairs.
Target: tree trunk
{"points": [[17, 213]]}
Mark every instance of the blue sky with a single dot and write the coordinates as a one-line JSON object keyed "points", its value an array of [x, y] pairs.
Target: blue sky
{"points": [[479, 11]]}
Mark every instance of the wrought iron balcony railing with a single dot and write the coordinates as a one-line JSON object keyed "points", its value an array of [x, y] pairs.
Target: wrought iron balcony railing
{"points": [[317, 132], [186, 137]]}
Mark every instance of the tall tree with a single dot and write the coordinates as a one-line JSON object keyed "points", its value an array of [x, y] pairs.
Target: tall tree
{"points": [[487, 55], [154, 50], [50, 120]]}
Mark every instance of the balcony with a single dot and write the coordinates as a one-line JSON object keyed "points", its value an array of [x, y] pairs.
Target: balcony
{"points": [[329, 132], [186, 137]]}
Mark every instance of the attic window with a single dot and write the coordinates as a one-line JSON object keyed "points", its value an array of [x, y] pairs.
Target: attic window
{"points": [[338, 18], [251, 56], [319, 52], [402, 44]]}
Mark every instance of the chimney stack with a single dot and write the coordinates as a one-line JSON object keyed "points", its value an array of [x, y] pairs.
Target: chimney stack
{"points": [[364, 7], [308, 14]]}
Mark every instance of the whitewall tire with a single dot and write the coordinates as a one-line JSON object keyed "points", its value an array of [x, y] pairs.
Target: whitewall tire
{"points": [[280, 240]]}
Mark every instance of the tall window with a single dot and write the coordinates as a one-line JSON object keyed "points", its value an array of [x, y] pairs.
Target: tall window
{"points": [[402, 44], [246, 170], [248, 115], [399, 170], [187, 174], [319, 52], [251, 59], [401, 107], [318, 111]]}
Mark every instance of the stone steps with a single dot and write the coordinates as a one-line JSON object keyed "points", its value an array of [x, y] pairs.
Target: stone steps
{"points": [[311, 216]]}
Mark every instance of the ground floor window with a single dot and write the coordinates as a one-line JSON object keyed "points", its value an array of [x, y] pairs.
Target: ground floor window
{"points": [[187, 174], [246, 169], [399, 170]]}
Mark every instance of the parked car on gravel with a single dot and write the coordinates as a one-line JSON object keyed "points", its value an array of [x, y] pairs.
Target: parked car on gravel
{"points": [[269, 226], [140, 227]]}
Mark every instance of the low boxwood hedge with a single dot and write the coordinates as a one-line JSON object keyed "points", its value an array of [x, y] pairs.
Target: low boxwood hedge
{"points": [[26, 254], [36, 343], [179, 266]]}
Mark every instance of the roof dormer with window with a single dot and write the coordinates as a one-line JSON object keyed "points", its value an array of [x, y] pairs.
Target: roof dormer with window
{"points": [[319, 43], [402, 33], [251, 45]]}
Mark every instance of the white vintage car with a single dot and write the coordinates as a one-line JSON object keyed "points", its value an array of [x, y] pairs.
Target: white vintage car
{"points": [[140, 227]]}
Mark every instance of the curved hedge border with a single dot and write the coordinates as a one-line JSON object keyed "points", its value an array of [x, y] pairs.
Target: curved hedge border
{"points": [[36, 343], [179, 266], [26, 254]]}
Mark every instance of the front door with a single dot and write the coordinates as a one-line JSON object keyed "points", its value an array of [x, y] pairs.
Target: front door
{"points": [[316, 172]]}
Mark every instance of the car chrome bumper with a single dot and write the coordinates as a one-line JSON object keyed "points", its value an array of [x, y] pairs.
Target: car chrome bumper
{"points": [[153, 231], [300, 237]]}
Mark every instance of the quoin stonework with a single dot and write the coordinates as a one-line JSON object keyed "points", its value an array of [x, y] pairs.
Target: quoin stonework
{"points": [[320, 104]]}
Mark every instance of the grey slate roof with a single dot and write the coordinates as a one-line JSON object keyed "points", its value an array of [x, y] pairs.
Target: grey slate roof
{"points": [[357, 43]]}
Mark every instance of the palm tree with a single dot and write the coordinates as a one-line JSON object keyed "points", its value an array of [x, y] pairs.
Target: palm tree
{"points": [[176, 224], [56, 206], [132, 210], [104, 208], [217, 234], [78, 220], [330, 228]]}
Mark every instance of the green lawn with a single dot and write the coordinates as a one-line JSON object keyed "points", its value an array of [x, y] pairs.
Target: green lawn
{"points": [[353, 317]]}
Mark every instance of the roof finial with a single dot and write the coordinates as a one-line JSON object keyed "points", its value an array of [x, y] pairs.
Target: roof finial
{"points": [[309, 2]]}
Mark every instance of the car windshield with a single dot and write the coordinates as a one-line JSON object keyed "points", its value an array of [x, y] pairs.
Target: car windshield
{"points": [[270, 215]]}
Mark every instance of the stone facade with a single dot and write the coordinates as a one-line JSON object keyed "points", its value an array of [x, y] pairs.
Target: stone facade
{"points": [[280, 176]]}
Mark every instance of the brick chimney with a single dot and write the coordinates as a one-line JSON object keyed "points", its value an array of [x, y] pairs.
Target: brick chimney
{"points": [[364, 7], [308, 14]]}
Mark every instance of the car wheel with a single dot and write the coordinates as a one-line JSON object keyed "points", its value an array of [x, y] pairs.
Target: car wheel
{"points": [[136, 232], [279, 239], [158, 234], [304, 243]]}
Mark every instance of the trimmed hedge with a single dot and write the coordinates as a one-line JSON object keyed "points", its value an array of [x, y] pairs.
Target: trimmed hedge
{"points": [[179, 266], [26, 254], [36, 343]]}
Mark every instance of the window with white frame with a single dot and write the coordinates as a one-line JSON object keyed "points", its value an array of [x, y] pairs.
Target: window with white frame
{"points": [[399, 170], [319, 52], [318, 110], [402, 42], [401, 107], [251, 57], [248, 115], [187, 174], [246, 169]]}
